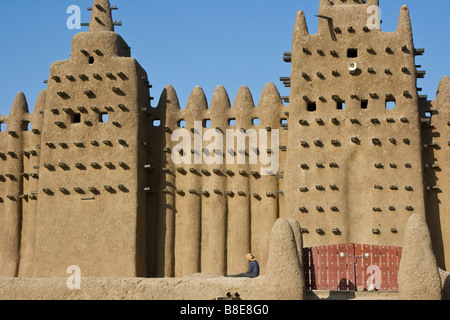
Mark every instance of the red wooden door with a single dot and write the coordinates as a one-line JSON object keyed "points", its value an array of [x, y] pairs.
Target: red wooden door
{"points": [[342, 267], [351, 267], [323, 268], [332, 264]]}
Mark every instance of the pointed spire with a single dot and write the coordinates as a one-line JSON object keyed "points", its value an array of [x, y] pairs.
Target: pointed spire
{"points": [[243, 98], [101, 18], [37, 118], [270, 97], [443, 94], [220, 107], [444, 85], [40, 101], [220, 99], [169, 99], [197, 102], [19, 106], [404, 22], [301, 28], [300, 32]]}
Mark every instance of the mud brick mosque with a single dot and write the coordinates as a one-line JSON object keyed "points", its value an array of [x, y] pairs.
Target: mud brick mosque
{"points": [[360, 200]]}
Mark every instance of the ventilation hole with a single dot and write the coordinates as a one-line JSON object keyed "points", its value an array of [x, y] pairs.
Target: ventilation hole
{"points": [[340, 105], [352, 53], [312, 106], [364, 104], [25, 126], [76, 118], [390, 105], [104, 117], [207, 123]]}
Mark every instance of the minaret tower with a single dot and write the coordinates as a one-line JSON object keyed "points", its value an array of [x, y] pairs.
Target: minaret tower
{"points": [[92, 199], [354, 168], [12, 168]]}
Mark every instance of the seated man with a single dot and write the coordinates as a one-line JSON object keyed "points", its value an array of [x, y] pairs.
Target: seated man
{"points": [[253, 269]]}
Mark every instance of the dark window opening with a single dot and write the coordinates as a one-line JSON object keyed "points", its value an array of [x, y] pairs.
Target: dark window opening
{"points": [[76, 118], [91, 60], [364, 104], [312, 106], [352, 53], [341, 105], [25, 126]]}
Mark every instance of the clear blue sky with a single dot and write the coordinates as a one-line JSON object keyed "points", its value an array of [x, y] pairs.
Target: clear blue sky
{"points": [[196, 43]]}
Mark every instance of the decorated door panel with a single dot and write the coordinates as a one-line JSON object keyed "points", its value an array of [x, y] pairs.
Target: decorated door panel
{"points": [[352, 267]]}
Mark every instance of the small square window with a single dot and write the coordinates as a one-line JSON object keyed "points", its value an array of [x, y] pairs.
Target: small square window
{"points": [[207, 123], [76, 118], [26, 126], [312, 106], [390, 105], [231, 122], [340, 105], [2, 127], [364, 104], [352, 53], [256, 121], [156, 123], [182, 124], [104, 117]]}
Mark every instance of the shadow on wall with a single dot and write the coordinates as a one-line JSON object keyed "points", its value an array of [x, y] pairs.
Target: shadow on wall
{"points": [[445, 278]]}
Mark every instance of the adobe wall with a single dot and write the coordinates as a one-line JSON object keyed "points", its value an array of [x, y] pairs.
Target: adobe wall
{"points": [[92, 194], [30, 186], [436, 143], [211, 215], [354, 174], [19, 155]]}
